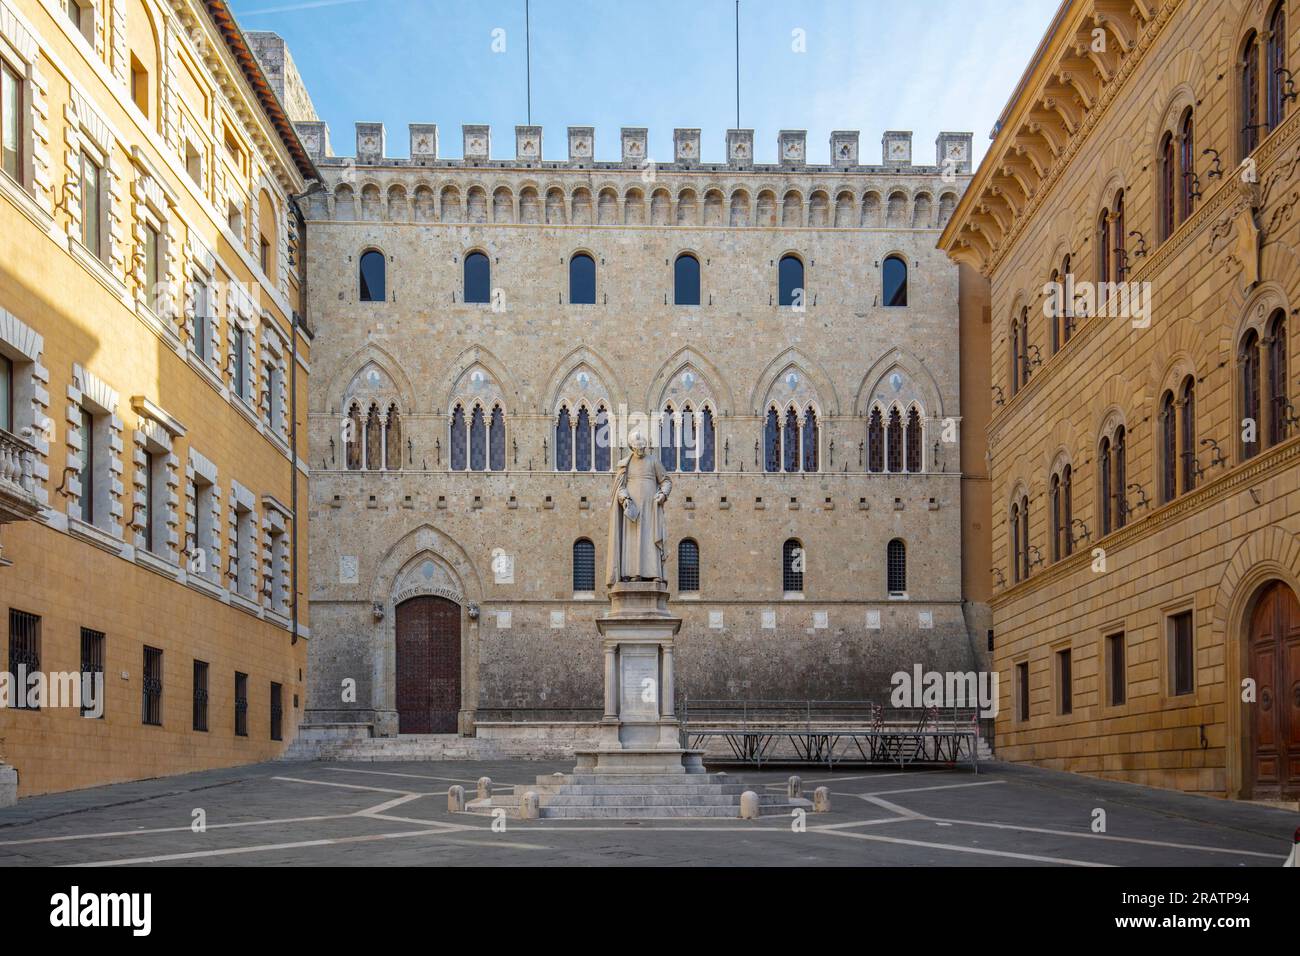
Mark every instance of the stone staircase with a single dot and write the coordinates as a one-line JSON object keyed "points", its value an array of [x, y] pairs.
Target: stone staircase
{"points": [[587, 796], [353, 742]]}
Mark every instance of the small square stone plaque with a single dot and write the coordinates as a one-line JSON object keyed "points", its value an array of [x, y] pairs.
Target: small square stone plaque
{"points": [[769, 620], [557, 619], [347, 569], [821, 620], [925, 620], [873, 620], [715, 620], [503, 620]]}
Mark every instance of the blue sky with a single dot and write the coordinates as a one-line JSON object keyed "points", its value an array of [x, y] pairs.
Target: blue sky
{"points": [[923, 65]]}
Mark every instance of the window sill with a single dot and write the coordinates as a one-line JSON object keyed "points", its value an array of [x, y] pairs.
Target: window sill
{"points": [[688, 595], [95, 535], [157, 563], [280, 619], [792, 596], [12, 190], [246, 410], [99, 269], [898, 596], [245, 604], [206, 371], [199, 583], [584, 595]]}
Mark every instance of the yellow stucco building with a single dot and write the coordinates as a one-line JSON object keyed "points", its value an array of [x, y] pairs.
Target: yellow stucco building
{"points": [[1135, 215], [153, 354]]}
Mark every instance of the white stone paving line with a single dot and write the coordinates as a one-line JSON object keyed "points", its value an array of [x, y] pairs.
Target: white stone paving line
{"points": [[418, 776], [955, 848]]}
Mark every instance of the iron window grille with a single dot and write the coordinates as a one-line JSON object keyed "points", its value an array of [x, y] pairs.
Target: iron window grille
{"points": [[24, 653], [92, 665], [151, 706]]}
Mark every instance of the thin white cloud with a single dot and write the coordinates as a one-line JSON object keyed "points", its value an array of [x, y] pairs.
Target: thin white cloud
{"points": [[309, 5]]}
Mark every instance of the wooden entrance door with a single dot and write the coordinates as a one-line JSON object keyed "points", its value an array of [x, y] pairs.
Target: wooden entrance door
{"points": [[428, 666], [1275, 665]]}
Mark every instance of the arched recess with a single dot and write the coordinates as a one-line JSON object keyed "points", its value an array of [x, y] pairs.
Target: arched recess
{"points": [[1253, 314], [813, 385], [916, 385], [568, 367], [1120, 401], [1267, 554], [351, 367], [1063, 446], [1178, 355], [1181, 85], [462, 367], [424, 561], [710, 383]]}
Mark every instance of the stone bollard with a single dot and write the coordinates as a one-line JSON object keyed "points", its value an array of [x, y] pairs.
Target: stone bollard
{"points": [[529, 808], [484, 787], [821, 800], [794, 788], [749, 805], [456, 799]]}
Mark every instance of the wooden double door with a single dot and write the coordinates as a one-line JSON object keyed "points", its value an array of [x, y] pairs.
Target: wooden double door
{"points": [[1275, 721], [428, 666]]}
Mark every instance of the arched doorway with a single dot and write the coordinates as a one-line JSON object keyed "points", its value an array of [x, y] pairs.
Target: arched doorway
{"points": [[1273, 758], [428, 665]]}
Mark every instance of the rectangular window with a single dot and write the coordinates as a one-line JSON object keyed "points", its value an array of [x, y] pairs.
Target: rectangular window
{"points": [[151, 706], [241, 704], [264, 254], [140, 86], [1116, 669], [92, 666], [239, 359], [91, 185], [202, 343], [6, 394], [1064, 681], [24, 654], [277, 710], [11, 121], [204, 557], [1022, 691], [75, 14], [194, 163], [152, 263], [245, 555], [1182, 654], [86, 429], [150, 490], [201, 696], [279, 573]]}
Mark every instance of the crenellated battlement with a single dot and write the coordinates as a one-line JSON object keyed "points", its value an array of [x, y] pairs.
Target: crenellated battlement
{"points": [[952, 155]]}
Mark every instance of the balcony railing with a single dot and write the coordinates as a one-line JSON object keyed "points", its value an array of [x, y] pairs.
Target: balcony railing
{"points": [[18, 501]]}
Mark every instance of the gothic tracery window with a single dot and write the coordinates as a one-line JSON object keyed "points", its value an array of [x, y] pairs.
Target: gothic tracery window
{"points": [[875, 442], [894, 441], [913, 440]]}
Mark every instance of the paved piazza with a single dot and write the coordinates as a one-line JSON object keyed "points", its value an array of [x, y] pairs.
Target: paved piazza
{"points": [[318, 814]]}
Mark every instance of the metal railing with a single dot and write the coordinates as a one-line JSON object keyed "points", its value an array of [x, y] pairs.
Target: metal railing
{"points": [[17, 461]]}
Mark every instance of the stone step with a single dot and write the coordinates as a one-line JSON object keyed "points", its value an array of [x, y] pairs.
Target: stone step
{"points": [[637, 779], [655, 813], [654, 800], [735, 789]]}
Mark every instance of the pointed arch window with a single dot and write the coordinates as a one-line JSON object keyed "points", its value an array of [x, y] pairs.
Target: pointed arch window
{"points": [[1187, 409], [393, 440], [1168, 186], [582, 279], [374, 439], [1248, 366], [1062, 515], [1019, 528], [790, 439], [668, 439], [1066, 310], [896, 568], [688, 565], [893, 274], [1279, 411], [875, 442], [354, 438], [459, 458], [772, 441], [1024, 536], [497, 440], [1121, 478], [1168, 448], [1275, 109], [1186, 166], [1104, 493], [1014, 522], [584, 566], [372, 276], [686, 280], [477, 440], [913, 440], [690, 450], [1120, 267], [478, 278], [1103, 251], [790, 281], [894, 441], [1249, 68], [601, 439], [582, 441], [564, 441], [708, 440], [792, 566], [810, 439], [1015, 363]]}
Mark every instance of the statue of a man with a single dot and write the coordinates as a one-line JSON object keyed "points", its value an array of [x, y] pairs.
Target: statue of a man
{"points": [[636, 516]]}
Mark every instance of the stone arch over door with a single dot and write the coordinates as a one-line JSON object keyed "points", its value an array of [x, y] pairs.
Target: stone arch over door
{"points": [[423, 563], [1267, 555]]}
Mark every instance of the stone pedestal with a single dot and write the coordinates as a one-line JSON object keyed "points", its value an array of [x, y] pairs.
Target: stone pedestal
{"points": [[639, 731], [8, 785]]}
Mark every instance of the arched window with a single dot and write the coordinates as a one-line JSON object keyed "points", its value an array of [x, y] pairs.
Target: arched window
{"points": [[913, 440], [790, 281], [1248, 368], [1249, 67], [1117, 229], [1186, 167], [1056, 517], [893, 274], [1015, 541], [792, 566], [372, 276], [1104, 465], [686, 280], [564, 441], [477, 440], [497, 440], [1062, 515], [1024, 535], [459, 458], [601, 439], [690, 450], [894, 441], [374, 440], [1066, 310], [1168, 186], [772, 441], [582, 280], [1276, 106], [1187, 406], [1014, 339], [810, 437], [478, 278], [1121, 478], [875, 442], [790, 438], [668, 439], [708, 441], [352, 451], [896, 567], [688, 565], [1019, 528], [582, 441], [1168, 448], [393, 440], [1278, 412], [1103, 251], [584, 565]]}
